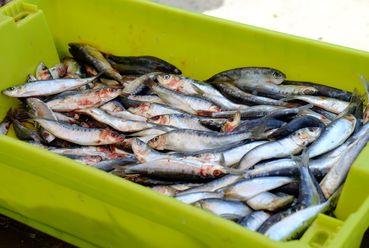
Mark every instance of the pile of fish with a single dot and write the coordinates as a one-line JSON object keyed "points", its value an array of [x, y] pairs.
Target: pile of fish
{"points": [[246, 144]]}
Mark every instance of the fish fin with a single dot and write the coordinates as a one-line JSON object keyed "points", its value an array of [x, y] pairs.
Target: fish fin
{"points": [[365, 82], [222, 159], [354, 107], [302, 160], [258, 132], [127, 103], [199, 91]]}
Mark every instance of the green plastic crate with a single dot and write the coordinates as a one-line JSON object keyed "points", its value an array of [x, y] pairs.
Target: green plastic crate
{"points": [[91, 208]]}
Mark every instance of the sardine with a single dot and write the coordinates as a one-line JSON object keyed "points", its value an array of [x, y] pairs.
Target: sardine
{"points": [[47, 87], [5, 123], [190, 104], [145, 153], [248, 188], [183, 121], [139, 65], [146, 98], [230, 210], [290, 145], [243, 97], [192, 140], [254, 220], [336, 176], [258, 75], [147, 109], [190, 198], [177, 169], [324, 90], [296, 124], [119, 124], [215, 184], [335, 134], [83, 99], [94, 57], [80, 135], [331, 104], [269, 202]]}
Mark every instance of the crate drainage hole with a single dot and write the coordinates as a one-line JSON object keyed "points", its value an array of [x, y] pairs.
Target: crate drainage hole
{"points": [[319, 239]]}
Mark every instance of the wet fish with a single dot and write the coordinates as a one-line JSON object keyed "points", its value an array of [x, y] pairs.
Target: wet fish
{"points": [[24, 133], [139, 65], [192, 140], [292, 225], [246, 189], [102, 152], [42, 72], [165, 190], [310, 193], [47, 87], [147, 109], [290, 145], [94, 57], [190, 198], [330, 104], [193, 87], [242, 97], [266, 123], [5, 123], [146, 98], [145, 153], [336, 176], [115, 122], [215, 184], [183, 121], [80, 135], [296, 124], [83, 99], [254, 220], [334, 135], [177, 169], [230, 210], [258, 75], [269, 201], [324, 90], [187, 103], [72, 68], [137, 85]]}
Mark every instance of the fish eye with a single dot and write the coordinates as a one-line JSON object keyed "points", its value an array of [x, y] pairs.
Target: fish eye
{"points": [[155, 139], [155, 118], [276, 75], [166, 77], [217, 173]]}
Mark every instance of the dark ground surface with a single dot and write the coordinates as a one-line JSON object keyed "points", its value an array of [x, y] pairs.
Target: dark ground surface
{"points": [[16, 235]]}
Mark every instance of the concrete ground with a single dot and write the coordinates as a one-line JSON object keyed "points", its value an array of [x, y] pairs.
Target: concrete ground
{"points": [[342, 22]]}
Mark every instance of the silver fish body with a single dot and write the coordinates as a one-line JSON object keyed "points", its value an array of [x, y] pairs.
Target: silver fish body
{"points": [[292, 144], [190, 198], [269, 201], [192, 140], [335, 134], [230, 210], [80, 135], [254, 220], [247, 188], [84, 99], [46, 87]]}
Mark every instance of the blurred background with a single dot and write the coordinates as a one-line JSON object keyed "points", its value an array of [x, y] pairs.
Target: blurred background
{"points": [[342, 22]]}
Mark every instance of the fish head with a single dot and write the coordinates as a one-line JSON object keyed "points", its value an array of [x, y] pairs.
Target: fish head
{"points": [[160, 119], [140, 150], [308, 135], [157, 142], [13, 91], [170, 81], [272, 75], [213, 171]]}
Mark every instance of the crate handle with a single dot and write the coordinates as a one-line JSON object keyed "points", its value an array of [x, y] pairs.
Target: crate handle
{"points": [[18, 11]]}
